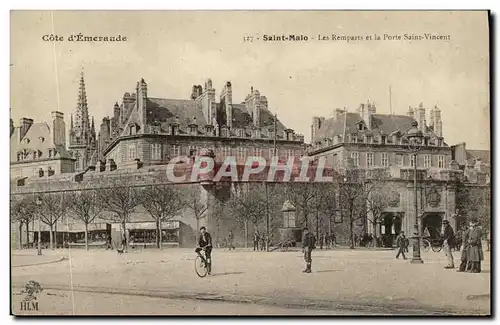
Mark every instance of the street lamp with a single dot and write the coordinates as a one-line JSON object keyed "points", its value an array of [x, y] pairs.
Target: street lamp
{"points": [[415, 142], [38, 204]]}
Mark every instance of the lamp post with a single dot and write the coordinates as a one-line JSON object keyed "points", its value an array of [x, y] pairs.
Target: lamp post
{"points": [[38, 204], [415, 141]]}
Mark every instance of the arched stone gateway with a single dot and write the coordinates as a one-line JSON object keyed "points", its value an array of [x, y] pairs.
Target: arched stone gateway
{"points": [[433, 223]]}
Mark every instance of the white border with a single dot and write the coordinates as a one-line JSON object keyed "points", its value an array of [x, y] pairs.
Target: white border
{"points": [[190, 5]]}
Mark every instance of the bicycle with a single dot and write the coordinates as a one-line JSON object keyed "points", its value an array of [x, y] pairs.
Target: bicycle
{"points": [[201, 265]]}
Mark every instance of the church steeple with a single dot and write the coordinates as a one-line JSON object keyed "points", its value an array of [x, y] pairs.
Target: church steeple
{"points": [[81, 126], [82, 142]]}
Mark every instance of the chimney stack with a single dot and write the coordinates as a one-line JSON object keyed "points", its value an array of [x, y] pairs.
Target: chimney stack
{"points": [[25, 124], [58, 129]]}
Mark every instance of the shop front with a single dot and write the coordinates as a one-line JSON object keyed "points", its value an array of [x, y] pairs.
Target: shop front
{"points": [[142, 234]]}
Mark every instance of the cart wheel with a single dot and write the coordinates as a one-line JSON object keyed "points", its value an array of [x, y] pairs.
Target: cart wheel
{"points": [[425, 245], [437, 248]]}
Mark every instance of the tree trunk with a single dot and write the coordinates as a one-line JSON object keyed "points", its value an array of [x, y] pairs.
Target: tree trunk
{"points": [[246, 234], [160, 239], [317, 224], [20, 235], [86, 236], [158, 230], [197, 230], [27, 233], [351, 228], [51, 234], [55, 234]]}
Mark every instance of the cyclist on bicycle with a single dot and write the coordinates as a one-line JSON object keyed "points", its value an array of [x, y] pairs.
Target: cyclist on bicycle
{"points": [[205, 243]]}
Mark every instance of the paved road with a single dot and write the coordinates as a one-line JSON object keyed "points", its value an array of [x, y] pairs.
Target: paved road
{"points": [[342, 282]]}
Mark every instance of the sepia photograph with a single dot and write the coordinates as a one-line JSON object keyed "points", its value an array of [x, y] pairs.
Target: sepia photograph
{"points": [[250, 162]]}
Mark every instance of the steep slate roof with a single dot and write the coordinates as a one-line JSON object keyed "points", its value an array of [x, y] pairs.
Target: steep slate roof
{"points": [[34, 135], [381, 124]]}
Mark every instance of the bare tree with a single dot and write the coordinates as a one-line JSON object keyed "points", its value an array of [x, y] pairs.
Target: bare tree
{"points": [[304, 197], [22, 210], [163, 202], [193, 200], [248, 205], [120, 200], [53, 207], [86, 206], [378, 195], [352, 198]]}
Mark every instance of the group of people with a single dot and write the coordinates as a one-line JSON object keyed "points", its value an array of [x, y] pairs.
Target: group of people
{"points": [[471, 246], [261, 240], [327, 241]]}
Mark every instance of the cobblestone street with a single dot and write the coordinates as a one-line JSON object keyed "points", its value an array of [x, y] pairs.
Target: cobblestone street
{"points": [[244, 282]]}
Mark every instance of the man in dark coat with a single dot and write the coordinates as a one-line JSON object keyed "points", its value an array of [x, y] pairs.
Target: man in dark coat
{"points": [[308, 244], [401, 244], [231, 240], [205, 243], [464, 249], [475, 254], [256, 238], [448, 244]]}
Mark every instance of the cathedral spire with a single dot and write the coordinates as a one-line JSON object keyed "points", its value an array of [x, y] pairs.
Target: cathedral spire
{"points": [[81, 123]]}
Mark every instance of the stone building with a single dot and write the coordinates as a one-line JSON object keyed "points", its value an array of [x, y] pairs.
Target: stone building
{"points": [[154, 130], [366, 140], [39, 149]]}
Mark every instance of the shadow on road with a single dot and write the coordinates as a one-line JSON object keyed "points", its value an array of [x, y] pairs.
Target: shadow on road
{"points": [[324, 271], [227, 273]]}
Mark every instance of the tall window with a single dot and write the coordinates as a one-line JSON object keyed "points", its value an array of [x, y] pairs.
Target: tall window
{"points": [[131, 151], [225, 151], [399, 160], [335, 160], [271, 152], [289, 153], [175, 150], [440, 161], [427, 161], [355, 158], [385, 159], [369, 159], [242, 153], [156, 151], [412, 160], [193, 151], [257, 152]]}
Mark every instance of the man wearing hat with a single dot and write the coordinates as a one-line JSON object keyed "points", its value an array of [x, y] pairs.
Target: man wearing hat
{"points": [[475, 253], [308, 244], [449, 237], [465, 248]]}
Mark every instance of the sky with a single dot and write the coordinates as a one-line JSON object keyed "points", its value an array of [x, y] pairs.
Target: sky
{"points": [[174, 50]]}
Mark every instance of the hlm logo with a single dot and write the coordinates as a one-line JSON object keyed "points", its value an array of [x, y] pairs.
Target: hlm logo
{"points": [[31, 291], [29, 305]]}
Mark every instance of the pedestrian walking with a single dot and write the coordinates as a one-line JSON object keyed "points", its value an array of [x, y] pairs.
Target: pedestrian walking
{"points": [[124, 243], [256, 241], [308, 244], [230, 238], [321, 240], [488, 241], [400, 243], [475, 253], [448, 244], [262, 243], [407, 245]]}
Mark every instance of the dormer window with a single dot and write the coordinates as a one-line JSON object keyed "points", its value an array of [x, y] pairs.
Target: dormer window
{"points": [[382, 139], [42, 139], [35, 154], [26, 140], [354, 138]]}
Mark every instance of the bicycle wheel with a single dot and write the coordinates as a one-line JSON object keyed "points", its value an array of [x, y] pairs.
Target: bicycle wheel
{"points": [[200, 267], [425, 245], [437, 248]]}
